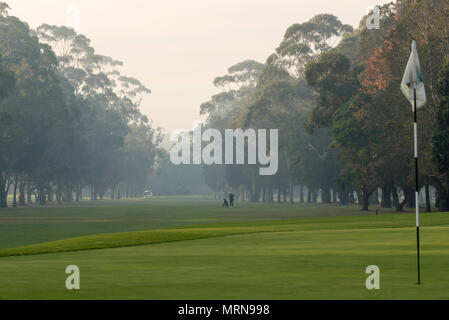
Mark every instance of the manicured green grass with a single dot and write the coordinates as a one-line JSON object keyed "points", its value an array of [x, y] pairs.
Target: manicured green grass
{"points": [[235, 255], [283, 265], [24, 226], [135, 238]]}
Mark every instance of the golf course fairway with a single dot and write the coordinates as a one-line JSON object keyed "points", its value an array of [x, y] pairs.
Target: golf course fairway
{"points": [[239, 258]]}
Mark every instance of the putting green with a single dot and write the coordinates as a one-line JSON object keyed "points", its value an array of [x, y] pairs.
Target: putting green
{"points": [[321, 258]]}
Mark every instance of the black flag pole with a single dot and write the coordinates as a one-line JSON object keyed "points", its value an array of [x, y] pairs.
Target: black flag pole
{"points": [[412, 86], [415, 128]]}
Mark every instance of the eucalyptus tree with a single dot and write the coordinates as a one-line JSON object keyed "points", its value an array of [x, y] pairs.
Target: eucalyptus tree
{"points": [[235, 86], [441, 138], [35, 106], [221, 111], [68, 117], [304, 41], [7, 83], [276, 103], [111, 103], [6, 136], [358, 97], [282, 99]]}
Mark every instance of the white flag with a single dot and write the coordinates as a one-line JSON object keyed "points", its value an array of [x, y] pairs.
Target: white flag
{"points": [[413, 79]]}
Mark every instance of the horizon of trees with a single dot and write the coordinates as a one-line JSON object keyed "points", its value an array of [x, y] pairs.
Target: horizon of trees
{"points": [[68, 119], [345, 128], [70, 122]]}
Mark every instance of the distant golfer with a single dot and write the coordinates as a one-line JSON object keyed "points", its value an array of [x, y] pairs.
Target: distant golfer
{"points": [[225, 203], [231, 199]]}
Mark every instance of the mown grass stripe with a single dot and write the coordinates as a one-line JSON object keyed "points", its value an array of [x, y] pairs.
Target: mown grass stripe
{"points": [[136, 238]]}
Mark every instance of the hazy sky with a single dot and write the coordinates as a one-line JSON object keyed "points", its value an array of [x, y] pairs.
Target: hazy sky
{"points": [[177, 47]]}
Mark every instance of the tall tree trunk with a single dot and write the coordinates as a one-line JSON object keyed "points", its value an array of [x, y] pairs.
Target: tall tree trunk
{"points": [[58, 194], [14, 199], [301, 194], [41, 191], [386, 197], [437, 200], [101, 191], [410, 196], [113, 192], [29, 192], [443, 200], [365, 198], [427, 191], [290, 179], [3, 191], [21, 193], [291, 190]]}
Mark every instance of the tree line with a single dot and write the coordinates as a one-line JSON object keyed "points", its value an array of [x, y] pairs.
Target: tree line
{"points": [[345, 130], [69, 120]]}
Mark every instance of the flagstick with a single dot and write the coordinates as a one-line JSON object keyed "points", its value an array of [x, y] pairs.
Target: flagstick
{"points": [[415, 125]]}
